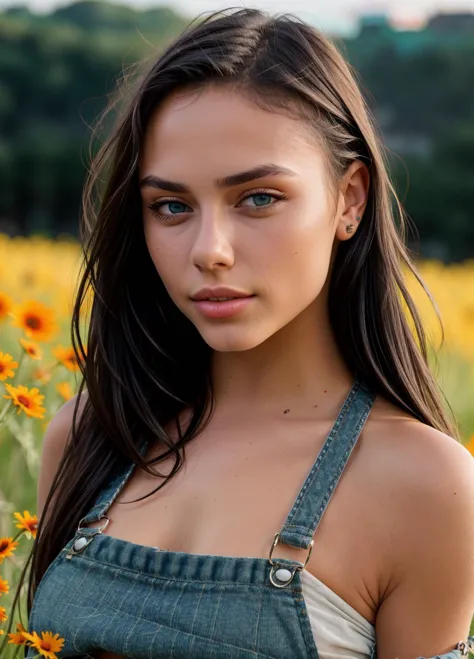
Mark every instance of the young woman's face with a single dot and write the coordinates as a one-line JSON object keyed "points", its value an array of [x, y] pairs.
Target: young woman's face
{"points": [[238, 197]]}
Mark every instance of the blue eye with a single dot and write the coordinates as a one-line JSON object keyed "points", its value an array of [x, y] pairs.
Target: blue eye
{"points": [[176, 207], [259, 201], [262, 200]]}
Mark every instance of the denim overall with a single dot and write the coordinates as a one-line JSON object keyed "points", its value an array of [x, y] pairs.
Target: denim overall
{"points": [[142, 602]]}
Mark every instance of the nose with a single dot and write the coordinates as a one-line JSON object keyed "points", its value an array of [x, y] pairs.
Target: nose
{"points": [[212, 248]]}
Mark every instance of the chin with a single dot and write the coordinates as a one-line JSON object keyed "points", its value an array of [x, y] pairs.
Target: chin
{"points": [[225, 340]]}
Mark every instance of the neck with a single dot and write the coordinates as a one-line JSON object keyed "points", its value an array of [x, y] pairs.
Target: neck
{"points": [[298, 369]]}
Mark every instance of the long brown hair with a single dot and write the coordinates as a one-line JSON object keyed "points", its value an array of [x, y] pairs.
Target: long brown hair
{"points": [[145, 360]]}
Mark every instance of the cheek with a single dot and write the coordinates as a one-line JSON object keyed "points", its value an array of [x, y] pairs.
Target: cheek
{"points": [[164, 259], [300, 259]]}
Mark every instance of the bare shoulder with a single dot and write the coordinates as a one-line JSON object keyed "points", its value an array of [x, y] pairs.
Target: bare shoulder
{"points": [[421, 486], [58, 430], [416, 456], [54, 445]]}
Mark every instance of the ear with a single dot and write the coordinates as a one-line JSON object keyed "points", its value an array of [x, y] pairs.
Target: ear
{"points": [[354, 190]]}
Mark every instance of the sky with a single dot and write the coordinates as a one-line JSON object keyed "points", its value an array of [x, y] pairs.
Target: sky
{"points": [[338, 15]]}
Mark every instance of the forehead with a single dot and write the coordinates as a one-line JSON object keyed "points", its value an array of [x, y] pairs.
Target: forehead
{"points": [[219, 125]]}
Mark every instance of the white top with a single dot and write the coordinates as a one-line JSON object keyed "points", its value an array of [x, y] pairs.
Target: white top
{"points": [[340, 632]]}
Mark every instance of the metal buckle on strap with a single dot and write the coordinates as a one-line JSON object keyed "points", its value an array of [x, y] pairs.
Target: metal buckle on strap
{"points": [[99, 528], [465, 646], [284, 574], [86, 535]]}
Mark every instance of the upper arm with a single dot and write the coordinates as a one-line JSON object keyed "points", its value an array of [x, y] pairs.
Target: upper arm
{"points": [[54, 445], [429, 604]]}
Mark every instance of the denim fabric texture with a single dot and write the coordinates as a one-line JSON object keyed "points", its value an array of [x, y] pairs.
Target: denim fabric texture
{"points": [[104, 593]]}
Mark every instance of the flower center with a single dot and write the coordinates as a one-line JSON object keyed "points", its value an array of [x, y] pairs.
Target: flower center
{"points": [[33, 322], [3, 545], [2, 368], [23, 400]]}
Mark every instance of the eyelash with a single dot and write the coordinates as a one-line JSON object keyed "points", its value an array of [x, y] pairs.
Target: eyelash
{"points": [[153, 207]]}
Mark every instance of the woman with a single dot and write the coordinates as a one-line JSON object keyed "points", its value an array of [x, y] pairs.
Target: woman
{"points": [[247, 271]]}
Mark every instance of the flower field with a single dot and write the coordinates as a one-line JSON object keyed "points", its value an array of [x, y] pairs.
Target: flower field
{"points": [[38, 373]]}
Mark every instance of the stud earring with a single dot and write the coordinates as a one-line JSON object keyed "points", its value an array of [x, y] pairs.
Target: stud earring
{"points": [[350, 228], [358, 218]]}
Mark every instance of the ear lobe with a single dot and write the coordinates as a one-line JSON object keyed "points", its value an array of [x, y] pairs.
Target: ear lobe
{"points": [[346, 230]]}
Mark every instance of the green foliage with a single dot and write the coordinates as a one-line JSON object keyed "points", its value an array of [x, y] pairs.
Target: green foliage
{"points": [[57, 70], [440, 193]]}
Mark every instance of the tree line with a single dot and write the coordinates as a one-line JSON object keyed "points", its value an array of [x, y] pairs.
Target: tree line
{"points": [[57, 69]]}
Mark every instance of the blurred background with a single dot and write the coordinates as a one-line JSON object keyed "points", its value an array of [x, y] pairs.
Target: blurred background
{"points": [[414, 61]]}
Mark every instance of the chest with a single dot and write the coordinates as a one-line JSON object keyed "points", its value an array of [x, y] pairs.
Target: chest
{"points": [[234, 492]]}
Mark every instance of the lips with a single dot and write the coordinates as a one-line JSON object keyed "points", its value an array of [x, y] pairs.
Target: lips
{"points": [[219, 294], [224, 309]]}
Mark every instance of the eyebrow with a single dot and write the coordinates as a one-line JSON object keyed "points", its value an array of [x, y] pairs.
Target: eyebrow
{"points": [[227, 182]]}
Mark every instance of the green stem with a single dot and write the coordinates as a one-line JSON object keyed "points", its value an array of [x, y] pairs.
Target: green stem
{"points": [[18, 534], [3, 413], [22, 357]]}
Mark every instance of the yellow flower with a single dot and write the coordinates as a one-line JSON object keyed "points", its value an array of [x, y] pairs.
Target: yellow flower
{"points": [[28, 400], [67, 357], [42, 375], [32, 349], [17, 638], [7, 547], [4, 587], [47, 645], [64, 388], [35, 319], [470, 446], [6, 305], [3, 614], [7, 364], [27, 522]]}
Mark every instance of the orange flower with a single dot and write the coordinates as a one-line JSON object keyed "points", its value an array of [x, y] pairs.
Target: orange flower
{"points": [[7, 547], [67, 357], [42, 375], [47, 645], [470, 445], [3, 614], [64, 388], [28, 400], [4, 587], [18, 638], [6, 305], [35, 319], [7, 364], [27, 522], [32, 349]]}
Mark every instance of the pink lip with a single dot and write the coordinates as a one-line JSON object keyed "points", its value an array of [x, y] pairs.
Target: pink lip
{"points": [[219, 291], [224, 309]]}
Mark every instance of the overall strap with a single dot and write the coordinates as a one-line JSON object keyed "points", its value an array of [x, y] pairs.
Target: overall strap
{"points": [[108, 495], [314, 496]]}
